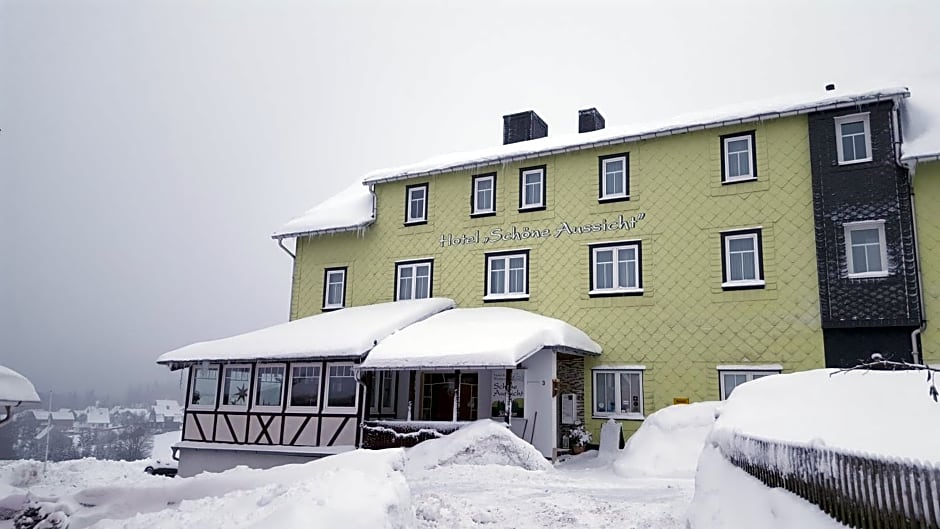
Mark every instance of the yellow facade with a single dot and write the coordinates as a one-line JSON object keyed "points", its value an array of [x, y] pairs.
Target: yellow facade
{"points": [[926, 197], [684, 325]]}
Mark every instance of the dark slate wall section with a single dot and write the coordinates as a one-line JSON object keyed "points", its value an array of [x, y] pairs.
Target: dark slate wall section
{"points": [[864, 191], [851, 347]]}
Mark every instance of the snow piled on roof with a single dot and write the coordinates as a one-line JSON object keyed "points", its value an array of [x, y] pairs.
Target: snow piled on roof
{"points": [[97, 416], [838, 411], [921, 120], [15, 388], [490, 337], [349, 332], [744, 112], [349, 209]]}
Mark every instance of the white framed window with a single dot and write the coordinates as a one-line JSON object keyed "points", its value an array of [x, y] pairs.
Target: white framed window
{"points": [[416, 204], [507, 275], [383, 392], [236, 387], [269, 387], [853, 138], [532, 188], [334, 288], [732, 378], [741, 259], [204, 386], [614, 177], [303, 394], [865, 249], [738, 158], [413, 280], [618, 393], [342, 390], [615, 268], [483, 201]]}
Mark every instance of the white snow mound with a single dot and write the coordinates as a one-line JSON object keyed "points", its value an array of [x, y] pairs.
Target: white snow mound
{"points": [[669, 442], [483, 442]]}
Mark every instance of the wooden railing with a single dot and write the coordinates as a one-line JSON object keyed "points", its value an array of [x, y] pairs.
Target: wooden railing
{"points": [[859, 490]]}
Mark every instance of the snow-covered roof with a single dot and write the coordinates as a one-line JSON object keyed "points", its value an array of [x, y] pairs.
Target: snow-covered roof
{"points": [[488, 337], [170, 406], [351, 209], [97, 416], [345, 333], [921, 122], [15, 388], [720, 117]]}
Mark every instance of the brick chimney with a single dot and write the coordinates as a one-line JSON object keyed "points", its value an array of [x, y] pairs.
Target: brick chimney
{"points": [[523, 126], [590, 120]]}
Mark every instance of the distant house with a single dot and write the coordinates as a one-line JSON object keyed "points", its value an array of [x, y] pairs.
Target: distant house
{"points": [[167, 414], [123, 416], [63, 420], [96, 418]]}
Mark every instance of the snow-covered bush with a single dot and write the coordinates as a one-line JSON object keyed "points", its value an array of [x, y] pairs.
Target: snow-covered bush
{"points": [[42, 515], [483, 442], [24, 474], [579, 436]]}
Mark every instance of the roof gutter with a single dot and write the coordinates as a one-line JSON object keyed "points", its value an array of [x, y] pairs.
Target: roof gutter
{"points": [[330, 231], [637, 137]]}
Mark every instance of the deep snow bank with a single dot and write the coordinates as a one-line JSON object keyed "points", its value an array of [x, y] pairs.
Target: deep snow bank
{"points": [[483, 442], [669, 442]]}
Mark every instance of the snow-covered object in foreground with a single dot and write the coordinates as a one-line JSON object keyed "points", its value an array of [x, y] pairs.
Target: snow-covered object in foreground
{"points": [[15, 388], [882, 412], [483, 442], [488, 337], [349, 332], [728, 498], [741, 113], [921, 121], [668, 443], [351, 209]]}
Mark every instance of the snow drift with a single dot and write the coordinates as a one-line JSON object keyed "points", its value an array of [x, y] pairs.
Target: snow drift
{"points": [[669, 442], [483, 442]]}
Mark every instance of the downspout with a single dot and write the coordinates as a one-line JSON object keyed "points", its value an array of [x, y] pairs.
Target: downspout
{"points": [[280, 242], [911, 167]]}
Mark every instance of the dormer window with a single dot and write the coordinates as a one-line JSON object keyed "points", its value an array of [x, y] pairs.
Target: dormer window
{"points": [[853, 138], [416, 204]]}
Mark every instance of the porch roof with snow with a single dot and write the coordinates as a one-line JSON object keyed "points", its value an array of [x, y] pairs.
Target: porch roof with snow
{"points": [[342, 334], [477, 338], [15, 389]]}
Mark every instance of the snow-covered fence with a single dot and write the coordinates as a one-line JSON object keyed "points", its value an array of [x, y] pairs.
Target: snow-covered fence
{"points": [[394, 434], [857, 489]]}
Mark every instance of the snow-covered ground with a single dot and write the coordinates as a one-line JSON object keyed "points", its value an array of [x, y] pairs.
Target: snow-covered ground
{"points": [[163, 443]]}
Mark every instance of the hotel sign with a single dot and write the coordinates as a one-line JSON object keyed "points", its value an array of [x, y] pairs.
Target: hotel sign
{"points": [[516, 232]]}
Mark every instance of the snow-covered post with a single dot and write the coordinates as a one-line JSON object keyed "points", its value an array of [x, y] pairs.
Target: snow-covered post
{"points": [[413, 389], [45, 459], [456, 394], [509, 396]]}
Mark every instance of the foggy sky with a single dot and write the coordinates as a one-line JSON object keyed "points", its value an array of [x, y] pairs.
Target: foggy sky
{"points": [[149, 148]]}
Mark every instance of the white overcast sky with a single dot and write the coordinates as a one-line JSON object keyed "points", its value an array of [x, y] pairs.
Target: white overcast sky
{"points": [[149, 148]]}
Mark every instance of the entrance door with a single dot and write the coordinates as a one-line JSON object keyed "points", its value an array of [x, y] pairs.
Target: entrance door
{"points": [[437, 401]]}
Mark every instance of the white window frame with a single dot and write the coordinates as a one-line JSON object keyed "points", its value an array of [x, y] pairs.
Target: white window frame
{"points": [[326, 392], [235, 407], [751, 175], [413, 265], [726, 238], [624, 179], [617, 371], [839, 121], [525, 277], [523, 205], [476, 209], [409, 199], [749, 373], [192, 387], [326, 288], [290, 387], [257, 386], [376, 389], [635, 245], [849, 227]]}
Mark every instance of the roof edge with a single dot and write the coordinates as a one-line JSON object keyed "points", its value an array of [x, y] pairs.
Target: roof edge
{"points": [[922, 158], [328, 231], [630, 138]]}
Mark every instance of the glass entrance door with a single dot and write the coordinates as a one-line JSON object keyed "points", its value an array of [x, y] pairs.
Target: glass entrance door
{"points": [[437, 396]]}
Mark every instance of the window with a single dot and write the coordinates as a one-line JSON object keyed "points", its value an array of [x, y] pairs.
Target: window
{"points": [[532, 188], [731, 379], [205, 384], [738, 159], [383, 392], [741, 264], [342, 389], [865, 249], [269, 385], [236, 384], [483, 200], [614, 177], [618, 393], [615, 269], [334, 288], [507, 275], [413, 280], [853, 138], [416, 204], [304, 392]]}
